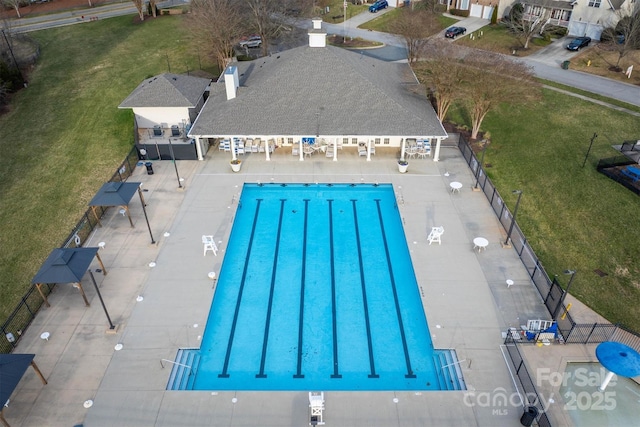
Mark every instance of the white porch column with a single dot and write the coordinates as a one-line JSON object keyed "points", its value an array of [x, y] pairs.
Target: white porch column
{"points": [[300, 150], [402, 149], [266, 150], [233, 149], [199, 148], [369, 151], [335, 149], [436, 154]]}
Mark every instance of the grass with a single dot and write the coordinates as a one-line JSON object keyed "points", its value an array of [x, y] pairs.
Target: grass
{"points": [[65, 136], [496, 38], [574, 217], [597, 60], [591, 95], [382, 22], [336, 9]]}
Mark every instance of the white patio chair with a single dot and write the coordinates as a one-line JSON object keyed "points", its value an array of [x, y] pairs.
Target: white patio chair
{"points": [[435, 235], [209, 245]]}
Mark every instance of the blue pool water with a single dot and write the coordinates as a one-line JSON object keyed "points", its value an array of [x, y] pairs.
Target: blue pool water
{"points": [[316, 292]]}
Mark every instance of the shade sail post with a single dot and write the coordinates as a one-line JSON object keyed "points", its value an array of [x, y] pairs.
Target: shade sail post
{"points": [[39, 288], [84, 296], [104, 307], [104, 270], [146, 218], [35, 368]]}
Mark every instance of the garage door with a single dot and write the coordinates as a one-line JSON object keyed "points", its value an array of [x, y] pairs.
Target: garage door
{"points": [[487, 12], [476, 10]]}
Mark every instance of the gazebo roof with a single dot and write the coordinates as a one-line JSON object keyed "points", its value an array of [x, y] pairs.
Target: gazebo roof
{"points": [[115, 194], [12, 368], [65, 265]]}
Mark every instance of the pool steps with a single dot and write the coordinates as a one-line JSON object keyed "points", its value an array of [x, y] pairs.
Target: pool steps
{"points": [[183, 373], [449, 373]]}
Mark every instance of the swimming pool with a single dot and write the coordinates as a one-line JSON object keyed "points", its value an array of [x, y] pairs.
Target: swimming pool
{"points": [[316, 292]]}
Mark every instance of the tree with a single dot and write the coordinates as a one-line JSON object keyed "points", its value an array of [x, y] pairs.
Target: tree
{"points": [[624, 35], [442, 73], [139, 4], [263, 19], [14, 4], [524, 26], [415, 26], [153, 7], [480, 92], [215, 26]]}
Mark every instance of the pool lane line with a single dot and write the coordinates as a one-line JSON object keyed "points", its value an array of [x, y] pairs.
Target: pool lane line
{"points": [[410, 373], [335, 374], [225, 367], [298, 373], [274, 269], [372, 364]]}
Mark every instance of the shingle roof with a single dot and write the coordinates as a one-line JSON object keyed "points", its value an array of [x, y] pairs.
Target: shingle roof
{"points": [[320, 91], [167, 90]]}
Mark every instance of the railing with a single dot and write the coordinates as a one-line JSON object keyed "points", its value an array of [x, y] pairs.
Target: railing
{"points": [[550, 290], [531, 397], [24, 313]]}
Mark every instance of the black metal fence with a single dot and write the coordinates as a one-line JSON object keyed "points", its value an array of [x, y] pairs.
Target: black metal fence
{"points": [[531, 397], [550, 290], [24, 313]]}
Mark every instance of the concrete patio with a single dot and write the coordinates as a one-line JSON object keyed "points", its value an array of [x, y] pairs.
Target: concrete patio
{"points": [[464, 294]]}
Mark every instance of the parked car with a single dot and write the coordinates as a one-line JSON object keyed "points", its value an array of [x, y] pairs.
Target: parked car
{"points": [[579, 43], [454, 32], [251, 41], [379, 5]]}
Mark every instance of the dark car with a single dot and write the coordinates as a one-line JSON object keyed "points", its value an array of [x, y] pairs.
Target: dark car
{"points": [[454, 32], [379, 5], [579, 43]]}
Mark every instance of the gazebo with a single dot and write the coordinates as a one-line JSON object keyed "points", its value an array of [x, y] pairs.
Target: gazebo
{"points": [[66, 265], [12, 368], [116, 194]]}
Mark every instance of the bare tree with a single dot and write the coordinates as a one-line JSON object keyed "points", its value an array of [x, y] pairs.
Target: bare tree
{"points": [[623, 36], [14, 4], [139, 4], [153, 7], [524, 26], [442, 73], [414, 26], [215, 26], [264, 19], [481, 94]]}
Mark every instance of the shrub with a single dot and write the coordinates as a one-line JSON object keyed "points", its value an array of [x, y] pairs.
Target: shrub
{"points": [[459, 12]]}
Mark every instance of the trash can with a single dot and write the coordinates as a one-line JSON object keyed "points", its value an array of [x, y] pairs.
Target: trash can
{"points": [[149, 166], [529, 416], [565, 65]]}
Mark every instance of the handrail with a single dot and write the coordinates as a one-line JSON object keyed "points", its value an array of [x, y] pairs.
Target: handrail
{"points": [[175, 363]]}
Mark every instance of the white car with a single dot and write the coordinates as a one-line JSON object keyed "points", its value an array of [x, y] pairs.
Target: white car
{"points": [[253, 41]]}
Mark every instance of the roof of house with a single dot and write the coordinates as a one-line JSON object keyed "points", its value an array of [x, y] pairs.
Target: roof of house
{"points": [[320, 91], [167, 90]]}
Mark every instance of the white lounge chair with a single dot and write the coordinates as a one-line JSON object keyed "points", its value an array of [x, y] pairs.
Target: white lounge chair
{"points": [[435, 235]]}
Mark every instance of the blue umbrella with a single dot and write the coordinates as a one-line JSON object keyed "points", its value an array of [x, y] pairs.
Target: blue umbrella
{"points": [[619, 359]]}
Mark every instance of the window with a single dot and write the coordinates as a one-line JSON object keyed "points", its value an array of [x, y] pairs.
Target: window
{"points": [[386, 141], [594, 3], [290, 141], [377, 141], [354, 141], [345, 141]]}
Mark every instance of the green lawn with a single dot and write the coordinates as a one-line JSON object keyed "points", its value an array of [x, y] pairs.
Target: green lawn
{"points": [[64, 136], [574, 217], [382, 22], [336, 9], [496, 38]]}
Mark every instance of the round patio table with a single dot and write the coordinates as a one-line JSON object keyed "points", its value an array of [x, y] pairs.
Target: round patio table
{"points": [[480, 243], [619, 359], [455, 186]]}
